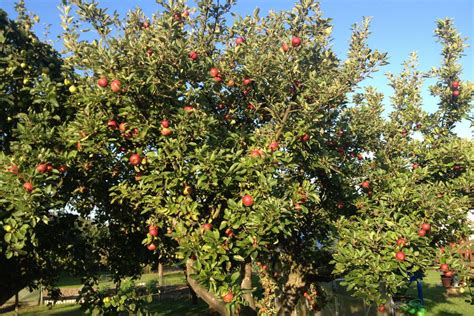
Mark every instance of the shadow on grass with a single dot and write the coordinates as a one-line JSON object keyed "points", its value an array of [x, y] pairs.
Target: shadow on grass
{"points": [[182, 307]]}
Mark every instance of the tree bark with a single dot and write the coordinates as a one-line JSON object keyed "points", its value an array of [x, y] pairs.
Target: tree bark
{"points": [[203, 293], [16, 303], [291, 293], [246, 286]]}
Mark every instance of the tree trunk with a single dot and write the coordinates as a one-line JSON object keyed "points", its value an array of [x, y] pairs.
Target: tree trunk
{"points": [[246, 287], [291, 293], [160, 274], [16, 303], [203, 293]]}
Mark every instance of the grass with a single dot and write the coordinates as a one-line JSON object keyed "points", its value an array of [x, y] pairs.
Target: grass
{"points": [[169, 278], [436, 301]]}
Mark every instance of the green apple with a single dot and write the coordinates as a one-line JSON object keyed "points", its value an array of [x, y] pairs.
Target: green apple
{"points": [[7, 228]]}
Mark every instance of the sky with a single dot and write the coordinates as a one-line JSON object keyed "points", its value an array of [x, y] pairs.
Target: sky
{"points": [[398, 27]]}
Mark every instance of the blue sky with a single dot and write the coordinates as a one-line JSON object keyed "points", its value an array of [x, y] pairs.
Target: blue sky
{"points": [[398, 27]]}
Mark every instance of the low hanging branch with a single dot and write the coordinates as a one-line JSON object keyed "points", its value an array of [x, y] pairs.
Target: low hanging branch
{"points": [[203, 293]]}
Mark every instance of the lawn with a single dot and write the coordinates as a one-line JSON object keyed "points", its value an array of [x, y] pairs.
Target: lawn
{"points": [[436, 300]]}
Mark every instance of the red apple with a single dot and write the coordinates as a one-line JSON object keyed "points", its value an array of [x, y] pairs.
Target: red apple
{"points": [[50, 168], [239, 40], [285, 47], [149, 52], [247, 81], [415, 165], [214, 72], [365, 184], [273, 146], [421, 232], [296, 41], [305, 138], [359, 156], [455, 84], [146, 25], [229, 232], [165, 123], [449, 274], [185, 13], [151, 247], [218, 78], [455, 93], [381, 308], [123, 127], [42, 168], [247, 200], [28, 187], [116, 85], [256, 153], [112, 124], [230, 83], [250, 106], [102, 82], [228, 297], [426, 226], [207, 226], [135, 159], [401, 242], [153, 231], [166, 131], [62, 168], [13, 169], [400, 256], [193, 55], [188, 108], [444, 267]]}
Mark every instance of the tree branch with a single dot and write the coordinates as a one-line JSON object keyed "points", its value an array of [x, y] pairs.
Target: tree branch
{"points": [[203, 293], [246, 286]]}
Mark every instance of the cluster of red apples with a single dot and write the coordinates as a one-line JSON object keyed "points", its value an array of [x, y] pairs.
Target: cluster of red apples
{"points": [[42, 168], [400, 255]]}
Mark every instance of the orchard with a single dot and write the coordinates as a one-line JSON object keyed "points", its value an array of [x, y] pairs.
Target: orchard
{"points": [[240, 150]]}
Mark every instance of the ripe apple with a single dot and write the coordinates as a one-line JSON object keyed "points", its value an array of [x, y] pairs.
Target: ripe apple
{"points": [[62, 169], [444, 267], [365, 184], [455, 93], [102, 82], [13, 169], [42, 168], [166, 131], [455, 84], [400, 256], [305, 138], [381, 308], [421, 232], [188, 108], [214, 72], [218, 78], [340, 205], [426, 226], [359, 156], [185, 13], [229, 232], [146, 25], [247, 81], [415, 165], [165, 123], [285, 47], [149, 52], [187, 190], [112, 124], [230, 83], [449, 274], [239, 40], [296, 41], [116, 85], [256, 153], [151, 247], [228, 297], [207, 226], [49, 168], [28, 187], [73, 89], [401, 242], [247, 200], [250, 106], [273, 146], [123, 127], [193, 55], [135, 159], [153, 231]]}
